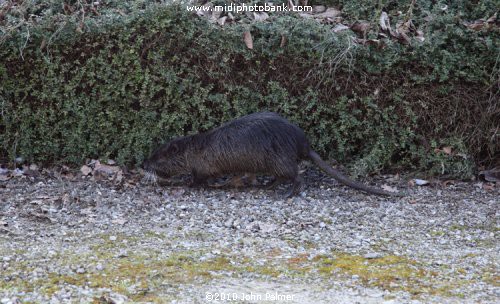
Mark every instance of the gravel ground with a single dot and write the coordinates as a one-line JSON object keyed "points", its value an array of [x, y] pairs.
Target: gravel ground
{"points": [[72, 239]]}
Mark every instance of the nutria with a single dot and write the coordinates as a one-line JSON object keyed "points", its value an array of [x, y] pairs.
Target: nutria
{"points": [[264, 143]]}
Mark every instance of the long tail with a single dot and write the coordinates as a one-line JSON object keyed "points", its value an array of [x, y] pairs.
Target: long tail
{"points": [[344, 179]]}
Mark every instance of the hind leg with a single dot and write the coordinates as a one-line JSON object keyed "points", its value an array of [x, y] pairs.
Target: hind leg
{"points": [[291, 173], [297, 186]]}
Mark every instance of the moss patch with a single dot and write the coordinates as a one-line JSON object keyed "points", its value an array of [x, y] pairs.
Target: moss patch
{"points": [[391, 272]]}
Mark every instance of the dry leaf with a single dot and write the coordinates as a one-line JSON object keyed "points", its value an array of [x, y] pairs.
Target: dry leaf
{"points": [[260, 16], [421, 182], [492, 19], [446, 183], [420, 36], [305, 15], [492, 175], [317, 9], [4, 178], [376, 42], [109, 170], [361, 27], [489, 187], [247, 37], [215, 16], [389, 188], [85, 170], [283, 41], [205, 10], [17, 172], [329, 13], [119, 177], [222, 20], [384, 22], [339, 28], [447, 150]]}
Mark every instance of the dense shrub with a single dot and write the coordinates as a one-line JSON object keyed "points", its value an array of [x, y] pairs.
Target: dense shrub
{"points": [[116, 84]]}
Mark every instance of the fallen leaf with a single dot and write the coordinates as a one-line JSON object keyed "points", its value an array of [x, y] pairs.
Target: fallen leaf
{"points": [[492, 175], [329, 13], [447, 150], [489, 187], [247, 37], [384, 22], [361, 27], [421, 182], [283, 41], [316, 9], [305, 15], [260, 16], [119, 177], [222, 20], [106, 169], [339, 28], [205, 10], [17, 172], [492, 19], [86, 170], [389, 188], [420, 36], [5, 176], [446, 183]]}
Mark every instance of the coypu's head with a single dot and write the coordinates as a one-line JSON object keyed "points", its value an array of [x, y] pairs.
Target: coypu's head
{"points": [[166, 161]]}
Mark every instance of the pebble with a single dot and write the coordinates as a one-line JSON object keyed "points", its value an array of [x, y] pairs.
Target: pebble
{"points": [[247, 224], [372, 255]]}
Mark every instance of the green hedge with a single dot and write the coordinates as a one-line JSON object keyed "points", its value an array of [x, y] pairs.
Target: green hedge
{"points": [[116, 86]]}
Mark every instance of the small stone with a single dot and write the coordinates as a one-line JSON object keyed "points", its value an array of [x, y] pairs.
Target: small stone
{"points": [[228, 223], [267, 228], [6, 259], [372, 255], [5, 301], [80, 270], [322, 225], [99, 267], [375, 294], [112, 238]]}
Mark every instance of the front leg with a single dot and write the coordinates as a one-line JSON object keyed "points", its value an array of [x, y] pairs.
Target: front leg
{"points": [[199, 180]]}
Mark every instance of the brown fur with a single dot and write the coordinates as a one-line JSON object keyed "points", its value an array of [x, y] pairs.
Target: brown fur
{"points": [[259, 143]]}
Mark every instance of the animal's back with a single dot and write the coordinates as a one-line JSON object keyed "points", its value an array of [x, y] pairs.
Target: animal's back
{"points": [[260, 142]]}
